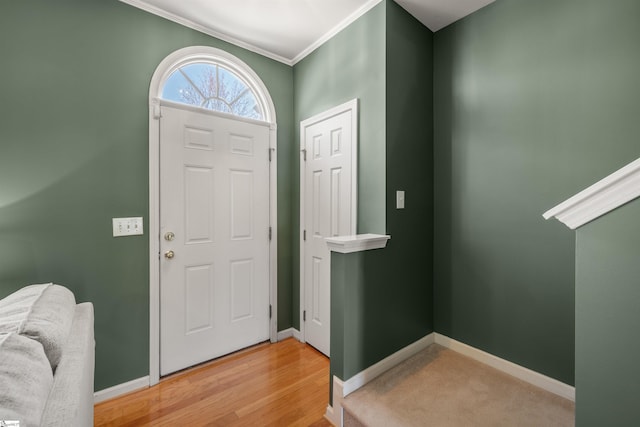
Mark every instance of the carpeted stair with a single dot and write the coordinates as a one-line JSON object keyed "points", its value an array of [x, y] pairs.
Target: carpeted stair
{"points": [[439, 387]]}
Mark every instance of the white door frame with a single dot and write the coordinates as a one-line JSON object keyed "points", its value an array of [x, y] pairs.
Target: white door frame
{"points": [[347, 106], [167, 66]]}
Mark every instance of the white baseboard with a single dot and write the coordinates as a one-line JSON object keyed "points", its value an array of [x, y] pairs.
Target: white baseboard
{"points": [[288, 333], [334, 413], [330, 416], [362, 378], [520, 372], [343, 389], [120, 389], [283, 335]]}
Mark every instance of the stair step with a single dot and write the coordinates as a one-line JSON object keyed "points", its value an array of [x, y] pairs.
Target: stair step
{"points": [[439, 387]]}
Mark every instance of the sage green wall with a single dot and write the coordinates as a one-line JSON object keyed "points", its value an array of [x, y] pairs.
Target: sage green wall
{"points": [[607, 319], [534, 101], [74, 153], [399, 279], [381, 300], [348, 66], [347, 323]]}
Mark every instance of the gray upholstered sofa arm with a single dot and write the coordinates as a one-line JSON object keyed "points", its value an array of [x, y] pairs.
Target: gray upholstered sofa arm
{"points": [[70, 402]]}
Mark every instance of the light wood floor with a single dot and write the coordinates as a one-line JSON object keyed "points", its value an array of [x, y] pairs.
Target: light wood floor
{"points": [[282, 384]]}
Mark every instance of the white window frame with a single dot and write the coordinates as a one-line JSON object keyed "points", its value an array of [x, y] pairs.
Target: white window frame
{"points": [[217, 65]]}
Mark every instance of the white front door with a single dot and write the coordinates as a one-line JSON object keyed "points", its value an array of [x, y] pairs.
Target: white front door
{"points": [[328, 175], [214, 236]]}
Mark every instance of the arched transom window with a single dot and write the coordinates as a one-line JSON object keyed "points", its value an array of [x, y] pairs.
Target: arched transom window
{"points": [[212, 86]]}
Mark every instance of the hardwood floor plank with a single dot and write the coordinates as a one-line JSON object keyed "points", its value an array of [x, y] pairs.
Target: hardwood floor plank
{"points": [[282, 384], [290, 409]]}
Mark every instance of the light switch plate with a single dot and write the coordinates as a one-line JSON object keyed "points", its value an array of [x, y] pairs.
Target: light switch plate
{"points": [[399, 199], [127, 226]]}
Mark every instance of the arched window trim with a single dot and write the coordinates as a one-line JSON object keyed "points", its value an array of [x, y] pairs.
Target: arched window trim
{"points": [[206, 54]]}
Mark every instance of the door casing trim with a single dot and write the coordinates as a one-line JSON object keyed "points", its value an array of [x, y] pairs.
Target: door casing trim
{"points": [[162, 72], [347, 106]]}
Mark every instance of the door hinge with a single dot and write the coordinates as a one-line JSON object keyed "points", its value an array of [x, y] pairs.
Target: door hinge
{"points": [[270, 233], [304, 316], [304, 154], [270, 150], [270, 311], [304, 235]]}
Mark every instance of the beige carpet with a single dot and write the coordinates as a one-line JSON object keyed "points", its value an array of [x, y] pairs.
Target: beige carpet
{"points": [[439, 387]]}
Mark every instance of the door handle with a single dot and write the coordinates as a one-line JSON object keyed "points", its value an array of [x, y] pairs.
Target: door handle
{"points": [[169, 254]]}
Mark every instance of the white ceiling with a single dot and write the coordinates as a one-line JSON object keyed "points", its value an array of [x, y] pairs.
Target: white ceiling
{"points": [[288, 30]]}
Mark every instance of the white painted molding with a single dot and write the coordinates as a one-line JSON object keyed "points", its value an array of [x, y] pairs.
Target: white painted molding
{"points": [[602, 197], [335, 30], [283, 335], [120, 389], [273, 223], [142, 5], [542, 381], [334, 413], [154, 10], [195, 54], [330, 416], [288, 333], [356, 243], [360, 379]]}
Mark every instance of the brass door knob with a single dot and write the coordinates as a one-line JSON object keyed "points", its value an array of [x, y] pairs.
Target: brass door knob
{"points": [[169, 254]]}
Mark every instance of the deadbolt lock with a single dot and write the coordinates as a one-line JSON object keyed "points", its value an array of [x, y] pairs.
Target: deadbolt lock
{"points": [[169, 236]]}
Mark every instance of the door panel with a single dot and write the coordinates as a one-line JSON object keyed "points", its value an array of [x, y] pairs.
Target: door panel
{"points": [[337, 207], [214, 197], [242, 289], [198, 206], [241, 204], [199, 298]]}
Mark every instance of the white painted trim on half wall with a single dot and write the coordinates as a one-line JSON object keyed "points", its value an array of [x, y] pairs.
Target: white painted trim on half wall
{"points": [[602, 197], [121, 389], [342, 389], [360, 379], [335, 416], [357, 243]]}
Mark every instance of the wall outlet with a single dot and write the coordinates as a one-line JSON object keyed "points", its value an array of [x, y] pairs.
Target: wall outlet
{"points": [[127, 226]]}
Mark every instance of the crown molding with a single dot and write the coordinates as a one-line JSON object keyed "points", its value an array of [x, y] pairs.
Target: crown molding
{"points": [[208, 31], [335, 30], [602, 197], [142, 5]]}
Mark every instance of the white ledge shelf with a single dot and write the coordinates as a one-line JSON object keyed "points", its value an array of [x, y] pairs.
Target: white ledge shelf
{"points": [[356, 243], [602, 197]]}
